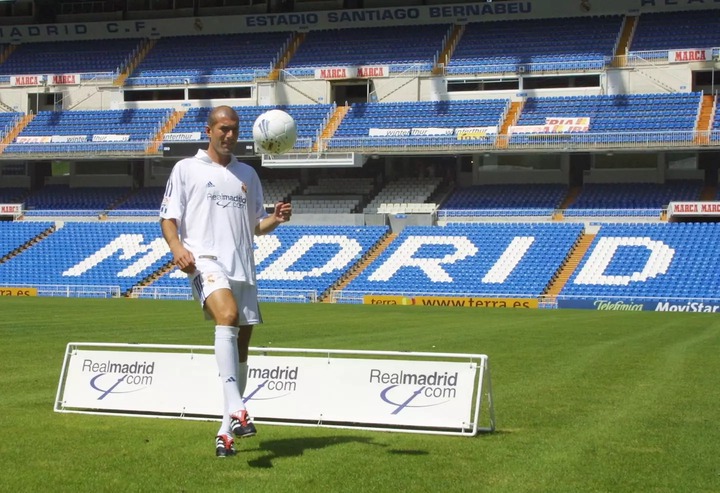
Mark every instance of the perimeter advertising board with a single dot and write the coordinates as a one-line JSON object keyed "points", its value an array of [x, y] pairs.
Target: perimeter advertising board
{"points": [[411, 394]]}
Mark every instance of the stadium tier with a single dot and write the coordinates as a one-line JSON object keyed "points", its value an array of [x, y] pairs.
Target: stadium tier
{"points": [[178, 60], [14, 235], [63, 200], [399, 47], [493, 200], [535, 45], [659, 32], [669, 260], [91, 254], [300, 259], [661, 260], [425, 124], [96, 59], [87, 131], [639, 199], [511, 259], [310, 120], [626, 118]]}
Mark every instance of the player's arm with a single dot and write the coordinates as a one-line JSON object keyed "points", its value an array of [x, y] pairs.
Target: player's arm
{"points": [[182, 257], [281, 214]]}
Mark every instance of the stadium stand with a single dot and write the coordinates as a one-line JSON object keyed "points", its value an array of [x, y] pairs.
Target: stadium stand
{"points": [[13, 235], [511, 200], [310, 120], [90, 131], [627, 118], [400, 47], [99, 59], [494, 259], [63, 200], [535, 45], [511, 248], [664, 260], [662, 31], [91, 254], [637, 199], [142, 202], [179, 60], [405, 195], [433, 124], [301, 259]]}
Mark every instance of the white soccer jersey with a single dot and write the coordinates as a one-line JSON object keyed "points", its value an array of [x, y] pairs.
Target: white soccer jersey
{"points": [[217, 208]]}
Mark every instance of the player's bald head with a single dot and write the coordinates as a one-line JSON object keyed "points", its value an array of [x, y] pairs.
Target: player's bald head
{"points": [[222, 112]]}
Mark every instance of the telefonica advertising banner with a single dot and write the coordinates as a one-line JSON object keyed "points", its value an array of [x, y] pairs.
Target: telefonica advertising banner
{"points": [[630, 305], [345, 18]]}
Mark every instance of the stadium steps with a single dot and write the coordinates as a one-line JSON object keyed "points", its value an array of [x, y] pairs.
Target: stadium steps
{"points": [[7, 52], [359, 266], [10, 136], [568, 267], [32, 241], [450, 42], [705, 118], [168, 267], [295, 42], [623, 45], [170, 123], [332, 125], [511, 118], [145, 47], [708, 193], [6, 107], [571, 196], [114, 205]]}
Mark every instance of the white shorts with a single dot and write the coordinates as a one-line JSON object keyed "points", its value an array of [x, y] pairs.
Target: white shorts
{"points": [[209, 276]]}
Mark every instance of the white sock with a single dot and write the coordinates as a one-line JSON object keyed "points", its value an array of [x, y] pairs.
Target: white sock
{"points": [[226, 355], [225, 422], [242, 378]]}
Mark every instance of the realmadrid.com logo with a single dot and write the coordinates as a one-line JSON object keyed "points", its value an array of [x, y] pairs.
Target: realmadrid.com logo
{"points": [[409, 390], [119, 378], [274, 383]]}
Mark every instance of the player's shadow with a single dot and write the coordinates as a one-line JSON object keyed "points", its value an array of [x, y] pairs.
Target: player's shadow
{"points": [[294, 447]]}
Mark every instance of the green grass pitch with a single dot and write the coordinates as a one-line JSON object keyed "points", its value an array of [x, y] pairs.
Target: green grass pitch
{"points": [[585, 402]]}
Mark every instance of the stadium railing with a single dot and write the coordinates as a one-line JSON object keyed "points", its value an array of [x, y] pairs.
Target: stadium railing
{"points": [[570, 63], [455, 214], [185, 293]]}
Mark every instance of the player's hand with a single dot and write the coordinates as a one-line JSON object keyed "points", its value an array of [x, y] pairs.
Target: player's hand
{"points": [[184, 260], [283, 211]]}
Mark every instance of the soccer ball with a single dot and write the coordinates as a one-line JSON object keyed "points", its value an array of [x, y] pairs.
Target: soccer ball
{"points": [[274, 132]]}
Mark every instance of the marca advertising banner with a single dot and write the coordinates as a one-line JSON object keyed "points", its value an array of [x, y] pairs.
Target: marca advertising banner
{"points": [[10, 209], [690, 55], [690, 306], [353, 72], [428, 394]]}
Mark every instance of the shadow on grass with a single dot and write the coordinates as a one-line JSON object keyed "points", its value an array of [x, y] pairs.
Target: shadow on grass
{"points": [[294, 447]]}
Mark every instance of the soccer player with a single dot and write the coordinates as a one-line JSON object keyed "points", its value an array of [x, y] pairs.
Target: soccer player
{"points": [[213, 205]]}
